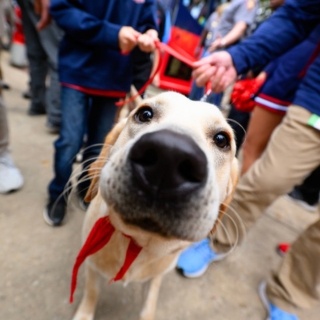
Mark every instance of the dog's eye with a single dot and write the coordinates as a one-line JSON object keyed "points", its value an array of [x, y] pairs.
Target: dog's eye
{"points": [[221, 139], [144, 114]]}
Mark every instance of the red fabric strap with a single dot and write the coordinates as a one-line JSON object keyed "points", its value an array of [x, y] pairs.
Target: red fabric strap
{"points": [[160, 47], [132, 253], [182, 55], [98, 237]]}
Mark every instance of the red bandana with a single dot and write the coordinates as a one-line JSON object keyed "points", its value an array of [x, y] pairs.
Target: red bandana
{"points": [[99, 236]]}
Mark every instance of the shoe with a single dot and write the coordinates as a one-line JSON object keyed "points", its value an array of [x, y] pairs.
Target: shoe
{"points": [[309, 204], [83, 205], [194, 261], [79, 157], [26, 94], [282, 248], [10, 176], [53, 129], [54, 213], [81, 196], [5, 86], [274, 313], [37, 112], [36, 109]]}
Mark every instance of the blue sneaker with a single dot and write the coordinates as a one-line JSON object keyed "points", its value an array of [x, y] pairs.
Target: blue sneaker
{"points": [[274, 313], [194, 261]]}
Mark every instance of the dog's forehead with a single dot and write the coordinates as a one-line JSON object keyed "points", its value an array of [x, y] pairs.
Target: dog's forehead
{"points": [[172, 104]]}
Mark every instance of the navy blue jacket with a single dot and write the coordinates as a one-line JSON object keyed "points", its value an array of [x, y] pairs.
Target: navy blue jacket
{"points": [[288, 26], [89, 54]]}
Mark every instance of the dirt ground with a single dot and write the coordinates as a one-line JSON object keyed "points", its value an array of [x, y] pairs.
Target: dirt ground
{"points": [[36, 260]]}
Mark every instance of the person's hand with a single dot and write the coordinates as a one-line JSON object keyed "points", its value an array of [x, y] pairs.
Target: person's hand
{"points": [[128, 39], [217, 68], [147, 40], [42, 8], [217, 44]]}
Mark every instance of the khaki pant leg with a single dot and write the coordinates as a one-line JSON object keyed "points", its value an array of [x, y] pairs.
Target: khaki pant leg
{"points": [[297, 281], [292, 153]]}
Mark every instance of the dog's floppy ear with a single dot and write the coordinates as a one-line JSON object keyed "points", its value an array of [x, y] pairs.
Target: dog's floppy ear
{"points": [[233, 180], [96, 167]]}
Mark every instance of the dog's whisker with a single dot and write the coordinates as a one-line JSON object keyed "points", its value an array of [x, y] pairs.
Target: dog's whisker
{"points": [[242, 225], [238, 123], [78, 172], [93, 159], [71, 189], [92, 146], [233, 245], [225, 230]]}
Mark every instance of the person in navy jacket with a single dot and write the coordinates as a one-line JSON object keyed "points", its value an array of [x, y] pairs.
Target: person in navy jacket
{"points": [[292, 153], [95, 71]]}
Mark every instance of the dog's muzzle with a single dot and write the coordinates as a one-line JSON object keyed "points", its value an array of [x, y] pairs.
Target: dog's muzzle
{"points": [[168, 165]]}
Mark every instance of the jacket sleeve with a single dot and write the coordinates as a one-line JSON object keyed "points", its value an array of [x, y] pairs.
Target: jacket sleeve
{"points": [[82, 26], [148, 18], [308, 93], [289, 25]]}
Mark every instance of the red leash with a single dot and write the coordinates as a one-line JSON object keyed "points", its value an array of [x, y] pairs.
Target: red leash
{"points": [[160, 48]]}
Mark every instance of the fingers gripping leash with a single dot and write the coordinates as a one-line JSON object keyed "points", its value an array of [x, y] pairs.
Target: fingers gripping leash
{"points": [[178, 54]]}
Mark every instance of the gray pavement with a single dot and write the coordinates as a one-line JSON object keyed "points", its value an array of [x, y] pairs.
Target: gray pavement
{"points": [[36, 260]]}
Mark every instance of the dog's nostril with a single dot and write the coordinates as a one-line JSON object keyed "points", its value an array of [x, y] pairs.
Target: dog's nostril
{"points": [[190, 172], [147, 158]]}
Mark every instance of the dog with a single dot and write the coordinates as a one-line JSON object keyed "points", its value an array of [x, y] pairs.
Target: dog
{"points": [[163, 178]]}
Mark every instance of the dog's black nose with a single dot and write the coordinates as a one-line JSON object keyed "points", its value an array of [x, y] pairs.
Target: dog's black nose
{"points": [[168, 163]]}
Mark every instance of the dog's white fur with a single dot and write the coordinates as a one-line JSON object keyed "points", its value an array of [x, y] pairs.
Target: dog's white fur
{"points": [[199, 120]]}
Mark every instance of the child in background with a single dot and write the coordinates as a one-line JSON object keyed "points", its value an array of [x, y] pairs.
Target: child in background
{"points": [[94, 74]]}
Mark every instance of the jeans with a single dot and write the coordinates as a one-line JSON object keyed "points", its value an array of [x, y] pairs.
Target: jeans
{"points": [[81, 114], [42, 51]]}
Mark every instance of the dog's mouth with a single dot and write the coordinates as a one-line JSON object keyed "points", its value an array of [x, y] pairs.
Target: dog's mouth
{"points": [[148, 224], [184, 220]]}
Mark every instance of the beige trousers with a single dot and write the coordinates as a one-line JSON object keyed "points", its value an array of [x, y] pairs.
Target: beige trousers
{"points": [[292, 153]]}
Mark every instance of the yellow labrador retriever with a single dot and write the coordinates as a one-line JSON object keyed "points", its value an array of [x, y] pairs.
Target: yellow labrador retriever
{"points": [[163, 178]]}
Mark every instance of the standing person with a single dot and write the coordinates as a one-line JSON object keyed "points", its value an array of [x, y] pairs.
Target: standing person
{"points": [[292, 153], [239, 120], [225, 27], [283, 77], [10, 176], [95, 71], [198, 10], [42, 51]]}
